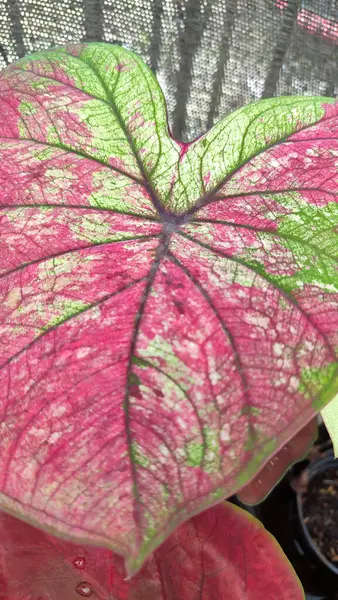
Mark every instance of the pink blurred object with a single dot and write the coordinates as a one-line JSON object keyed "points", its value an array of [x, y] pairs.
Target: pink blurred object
{"points": [[313, 23]]}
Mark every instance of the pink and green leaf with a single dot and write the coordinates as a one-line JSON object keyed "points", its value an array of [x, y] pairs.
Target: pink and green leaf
{"points": [[222, 553], [168, 312]]}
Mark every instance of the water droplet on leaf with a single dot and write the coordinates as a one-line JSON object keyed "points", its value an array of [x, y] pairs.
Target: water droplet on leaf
{"points": [[85, 589], [79, 562]]}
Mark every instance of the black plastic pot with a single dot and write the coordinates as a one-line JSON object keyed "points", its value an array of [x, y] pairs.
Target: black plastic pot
{"points": [[305, 538]]}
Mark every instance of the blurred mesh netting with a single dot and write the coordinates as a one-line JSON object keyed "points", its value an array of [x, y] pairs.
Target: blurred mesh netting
{"points": [[210, 56]]}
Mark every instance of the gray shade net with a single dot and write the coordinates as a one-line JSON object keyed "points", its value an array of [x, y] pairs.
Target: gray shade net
{"points": [[210, 56]]}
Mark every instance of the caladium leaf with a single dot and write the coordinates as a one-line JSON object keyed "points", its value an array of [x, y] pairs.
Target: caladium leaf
{"points": [[168, 311], [222, 553], [295, 450]]}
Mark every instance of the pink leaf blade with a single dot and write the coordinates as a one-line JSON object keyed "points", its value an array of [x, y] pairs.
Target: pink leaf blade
{"points": [[222, 553], [293, 166], [65, 389], [45, 293], [119, 126], [235, 556], [289, 262], [47, 233], [251, 322], [295, 450], [243, 137], [170, 299], [69, 181]]}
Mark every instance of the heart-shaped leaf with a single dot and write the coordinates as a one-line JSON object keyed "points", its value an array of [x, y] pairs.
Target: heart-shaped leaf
{"points": [[295, 449], [168, 311], [223, 553]]}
